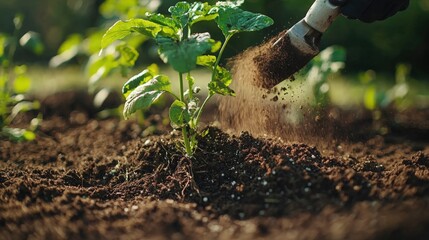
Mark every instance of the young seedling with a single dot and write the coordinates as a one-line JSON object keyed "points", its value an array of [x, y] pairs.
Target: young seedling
{"points": [[14, 83], [184, 50]]}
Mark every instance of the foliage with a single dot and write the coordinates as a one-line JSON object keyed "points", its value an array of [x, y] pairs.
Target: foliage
{"points": [[14, 83], [117, 56], [330, 60], [183, 50], [376, 98]]}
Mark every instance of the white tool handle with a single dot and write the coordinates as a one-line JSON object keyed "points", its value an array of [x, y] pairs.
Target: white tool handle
{"points": [[321, 15]]}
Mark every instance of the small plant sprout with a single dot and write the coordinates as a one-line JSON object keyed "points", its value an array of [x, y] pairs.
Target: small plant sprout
{"points": [[184, 50], [14, 83]]}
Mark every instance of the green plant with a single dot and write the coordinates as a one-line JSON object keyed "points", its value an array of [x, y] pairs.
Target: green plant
{"points": [[184, 50], [118, 57], [376, 97], [14, 83], [330, 60]]}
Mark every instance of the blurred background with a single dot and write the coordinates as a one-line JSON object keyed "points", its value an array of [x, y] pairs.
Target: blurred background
{"points": [[381, 63], [403, 38]]}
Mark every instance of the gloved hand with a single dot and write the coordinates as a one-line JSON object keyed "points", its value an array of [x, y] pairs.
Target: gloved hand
{"points": [[370, 10]]}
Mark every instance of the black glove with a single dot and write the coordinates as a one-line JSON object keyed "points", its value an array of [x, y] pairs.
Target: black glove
{"points": [[370, 10]]}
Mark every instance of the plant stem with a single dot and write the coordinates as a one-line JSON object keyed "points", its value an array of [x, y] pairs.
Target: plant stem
{"points": [[9, 60], [222, 49], [202, 107], [185, 128], [190, 86]]}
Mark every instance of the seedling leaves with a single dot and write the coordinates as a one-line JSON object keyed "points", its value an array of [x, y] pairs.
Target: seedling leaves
{"points": [[137, 80], [121, 29], [182, 56], [128, 56], [180, 13], [201, 12], [144, 95], [179, 115], [230, 3], [17, 134], [220, 83], [163, 20], [206, 60], [233, 20]]}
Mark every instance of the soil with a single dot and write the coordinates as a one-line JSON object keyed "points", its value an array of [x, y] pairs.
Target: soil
{"points": [[87, 178], [276, 60]]}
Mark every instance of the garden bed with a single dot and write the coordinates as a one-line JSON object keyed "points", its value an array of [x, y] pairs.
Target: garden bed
{"points": [[84, 178]]}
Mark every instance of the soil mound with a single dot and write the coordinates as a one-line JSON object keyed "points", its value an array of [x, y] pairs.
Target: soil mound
{"points": [[100, 179]]}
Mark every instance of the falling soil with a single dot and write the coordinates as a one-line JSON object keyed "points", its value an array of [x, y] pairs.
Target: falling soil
{"points": [[84, 178], [259, 106]]}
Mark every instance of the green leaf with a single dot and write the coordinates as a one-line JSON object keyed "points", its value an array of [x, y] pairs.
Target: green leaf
{"points": [[144, 95], [201, 12], [32, 41], [370, 98], [220, 83], [68, 50], [216, 46], [180, 13], [230, 3], [121, 29], [91, 45], [128, 55], [21, 84], [232, 20], [206, 60], [137, 80], [70, 43], [99, 67], [24, 106], [179, 115], [163, 20], [153, 68], [182, 56], [18, 135]]}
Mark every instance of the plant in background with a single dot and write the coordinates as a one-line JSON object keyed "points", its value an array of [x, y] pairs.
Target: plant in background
{"points": [[184, 50], [119, 56], [14, 83], [398, 95], [330, 60], [376, 97]]}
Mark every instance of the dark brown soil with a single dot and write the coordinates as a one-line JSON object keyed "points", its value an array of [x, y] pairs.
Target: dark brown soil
{"points": [[99, 179]]}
